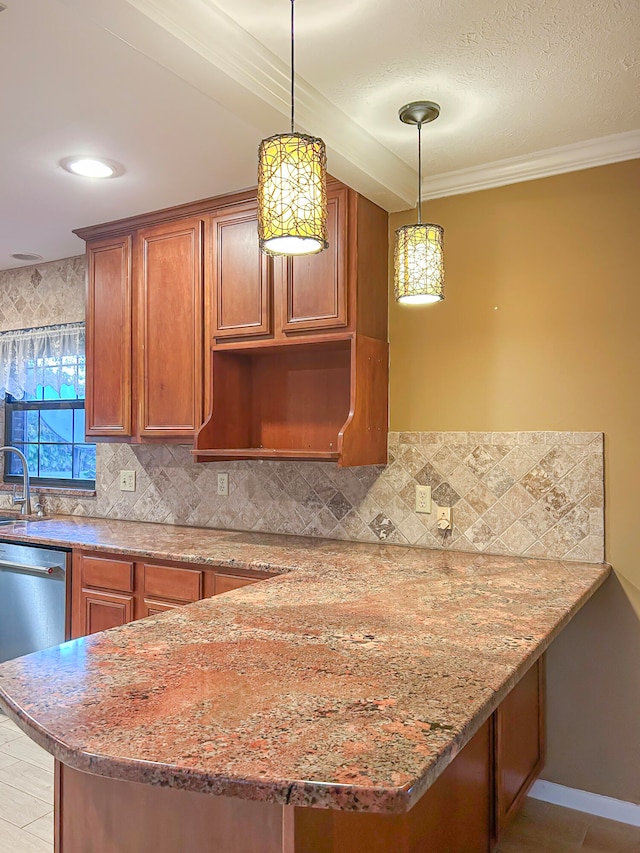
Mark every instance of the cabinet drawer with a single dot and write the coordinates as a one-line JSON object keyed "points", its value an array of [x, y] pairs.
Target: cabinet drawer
{"points": [[171, 582], [107, 573], [225, 583]]}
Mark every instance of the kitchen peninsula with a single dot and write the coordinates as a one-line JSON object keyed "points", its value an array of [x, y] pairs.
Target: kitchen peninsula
{"points": [[361, 699]]}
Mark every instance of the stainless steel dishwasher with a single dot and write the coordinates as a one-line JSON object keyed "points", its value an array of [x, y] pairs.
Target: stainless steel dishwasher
{"points": [[33, 595]]}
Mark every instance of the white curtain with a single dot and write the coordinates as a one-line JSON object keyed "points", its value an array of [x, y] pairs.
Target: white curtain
{"points": [[47, 357]]}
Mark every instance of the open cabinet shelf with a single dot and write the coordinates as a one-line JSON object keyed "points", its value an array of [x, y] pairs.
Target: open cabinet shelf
{"points": [[224, 453], [324, 400]]}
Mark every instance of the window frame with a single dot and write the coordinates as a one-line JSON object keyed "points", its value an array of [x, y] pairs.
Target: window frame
{"points": [[12, 405]]}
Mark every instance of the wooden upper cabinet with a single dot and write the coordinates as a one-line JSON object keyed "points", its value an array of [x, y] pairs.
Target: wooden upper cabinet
{"points": [[242, 275], [308, 294], [109, 302], [169, 286], [195, 333], [313, 294], [314, 384]]}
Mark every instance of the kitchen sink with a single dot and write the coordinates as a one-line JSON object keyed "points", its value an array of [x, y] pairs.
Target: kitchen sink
{"points": [[6, 518]]}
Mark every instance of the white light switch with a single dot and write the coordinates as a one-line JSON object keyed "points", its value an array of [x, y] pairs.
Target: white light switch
{"points": [[223, 484], [127, 481], [423, 498]]}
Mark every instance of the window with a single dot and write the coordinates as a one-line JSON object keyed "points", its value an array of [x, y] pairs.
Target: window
{"points": [[47, 425]]}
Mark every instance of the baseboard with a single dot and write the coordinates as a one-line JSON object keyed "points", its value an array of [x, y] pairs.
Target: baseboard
{"points": [[584, 801]]}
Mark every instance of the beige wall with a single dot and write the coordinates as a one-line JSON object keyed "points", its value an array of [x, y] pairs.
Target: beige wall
{"points": [[540, 330]]}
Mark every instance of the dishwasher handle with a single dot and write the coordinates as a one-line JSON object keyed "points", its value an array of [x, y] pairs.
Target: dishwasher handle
{"points": [[38, 570]]}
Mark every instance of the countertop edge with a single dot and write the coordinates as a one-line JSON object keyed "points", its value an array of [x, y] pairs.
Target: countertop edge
{"points": [[10, 533]]}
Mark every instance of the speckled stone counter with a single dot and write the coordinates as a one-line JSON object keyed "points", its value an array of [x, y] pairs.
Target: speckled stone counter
{"points": [[350, 681]]}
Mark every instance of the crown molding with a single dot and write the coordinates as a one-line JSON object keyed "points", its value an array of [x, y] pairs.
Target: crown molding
{"points": [[540, 164]]}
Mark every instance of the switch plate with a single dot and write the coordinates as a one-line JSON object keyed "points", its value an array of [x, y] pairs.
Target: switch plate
{"points": [[443, 518], [423, 498], [127, 481], [223, 484]]}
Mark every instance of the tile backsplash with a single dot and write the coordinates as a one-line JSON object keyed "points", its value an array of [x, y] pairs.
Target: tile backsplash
{"points": [[539, 494], [42, 295]]}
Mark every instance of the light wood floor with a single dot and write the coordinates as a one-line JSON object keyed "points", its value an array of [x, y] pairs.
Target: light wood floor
{"points": [[26, 811], [26, 793], [544, 828]]}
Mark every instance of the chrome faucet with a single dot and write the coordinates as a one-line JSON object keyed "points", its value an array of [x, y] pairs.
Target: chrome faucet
{"points": [[25, 500]]}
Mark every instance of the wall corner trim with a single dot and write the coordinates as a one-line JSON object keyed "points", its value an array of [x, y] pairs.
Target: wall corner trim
{"points": [[585, 801], [539, 164]]}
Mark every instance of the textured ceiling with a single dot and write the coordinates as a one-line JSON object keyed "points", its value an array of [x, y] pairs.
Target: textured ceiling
{"points": [[181, 91], [511, 77]]}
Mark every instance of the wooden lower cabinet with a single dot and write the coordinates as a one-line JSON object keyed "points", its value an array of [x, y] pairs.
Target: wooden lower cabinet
{"points": [[519, 743], [111, 590]]}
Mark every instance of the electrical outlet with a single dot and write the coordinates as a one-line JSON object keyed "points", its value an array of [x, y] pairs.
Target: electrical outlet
{"points": [[127, 481], [443, 518], [423, 498], [223, 484]]}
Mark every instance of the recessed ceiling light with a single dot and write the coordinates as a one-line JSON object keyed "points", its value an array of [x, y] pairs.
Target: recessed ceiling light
{"points": [[26, 256], [92, 167]]}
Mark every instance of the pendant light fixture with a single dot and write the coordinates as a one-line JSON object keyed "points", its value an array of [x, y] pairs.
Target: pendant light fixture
{"points": [[419, 249], [292, 188]]}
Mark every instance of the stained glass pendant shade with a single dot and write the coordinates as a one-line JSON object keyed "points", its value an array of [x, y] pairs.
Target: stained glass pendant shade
{"points": [[292, 188], [419, 249]]}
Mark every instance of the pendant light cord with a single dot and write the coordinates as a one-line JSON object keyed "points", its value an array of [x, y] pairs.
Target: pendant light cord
{"points": [[292, 70], [419, 172]]}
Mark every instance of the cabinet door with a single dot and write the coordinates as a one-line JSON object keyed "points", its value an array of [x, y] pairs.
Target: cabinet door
{"points": [[314, 292], [100, 610], [169, 342], [519, 747], [225, 583], [242, 275], [108, 330], [152, 608]]}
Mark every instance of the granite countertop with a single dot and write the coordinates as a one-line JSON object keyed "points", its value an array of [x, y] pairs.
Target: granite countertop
{"points": [[349, 681]]}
